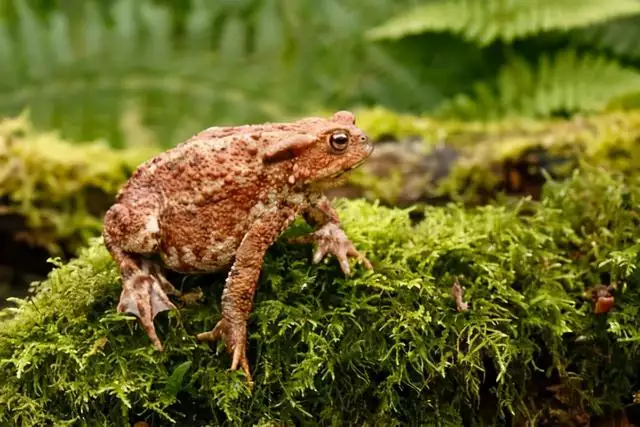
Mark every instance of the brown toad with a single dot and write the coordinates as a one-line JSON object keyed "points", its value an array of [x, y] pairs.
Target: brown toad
{"points": [[217, 202]]}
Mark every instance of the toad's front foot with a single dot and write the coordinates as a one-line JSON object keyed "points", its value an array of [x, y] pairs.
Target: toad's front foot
{"points": [[143, 296], [331, 239], [234, 335]]}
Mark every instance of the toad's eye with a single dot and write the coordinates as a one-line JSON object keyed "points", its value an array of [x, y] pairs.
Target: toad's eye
{"points": [[339, 141]]}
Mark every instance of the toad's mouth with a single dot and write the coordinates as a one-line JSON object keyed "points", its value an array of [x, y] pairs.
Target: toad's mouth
{"points": [[339, 177], [347, 170], [336, 179], [350, 168]]}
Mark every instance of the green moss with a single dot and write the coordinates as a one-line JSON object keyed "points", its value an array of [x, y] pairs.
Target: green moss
{"points": [[380, 348], [58, 188]]}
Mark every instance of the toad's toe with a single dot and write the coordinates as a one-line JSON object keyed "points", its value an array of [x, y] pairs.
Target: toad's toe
{"points": [[234, 334]]}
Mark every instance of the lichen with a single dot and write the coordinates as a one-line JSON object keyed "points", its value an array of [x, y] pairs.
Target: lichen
{"points": [[386, 347]]}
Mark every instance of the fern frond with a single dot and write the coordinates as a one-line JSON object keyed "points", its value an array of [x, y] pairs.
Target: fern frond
{"points": [[484, 21], [231, 62], [619, 36], [563, 83]]}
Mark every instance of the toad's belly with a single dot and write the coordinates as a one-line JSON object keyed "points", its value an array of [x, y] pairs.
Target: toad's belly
{"points": [[198, 257], [202, 240]]}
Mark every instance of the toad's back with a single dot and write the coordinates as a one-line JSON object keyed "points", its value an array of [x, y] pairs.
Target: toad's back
{"points": [[211, 190]]}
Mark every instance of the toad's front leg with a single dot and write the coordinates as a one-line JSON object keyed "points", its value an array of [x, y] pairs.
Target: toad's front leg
{"points": [[240, 287], [329, 237]]}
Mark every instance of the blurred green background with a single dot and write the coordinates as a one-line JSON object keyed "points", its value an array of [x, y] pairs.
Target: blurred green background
{"points": [[143, 71]]}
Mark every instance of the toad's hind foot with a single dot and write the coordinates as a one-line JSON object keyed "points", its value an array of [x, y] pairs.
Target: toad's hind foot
{"points": [[235, 336], [143, 296]]}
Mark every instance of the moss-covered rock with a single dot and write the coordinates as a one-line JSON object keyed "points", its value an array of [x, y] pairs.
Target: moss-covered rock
{"points": [[53, 192], [431, 160], [381, 348]]}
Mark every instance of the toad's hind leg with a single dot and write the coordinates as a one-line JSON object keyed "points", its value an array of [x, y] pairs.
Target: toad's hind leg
{"points": [[144, 287], [240, 287]]}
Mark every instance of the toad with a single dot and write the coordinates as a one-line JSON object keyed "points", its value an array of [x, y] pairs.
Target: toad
{"points": [[217, 202]]}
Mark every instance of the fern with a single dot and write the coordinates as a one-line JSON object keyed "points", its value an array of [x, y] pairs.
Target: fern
{"points": [[619, 37], [563, 83], [176, 68], [231, 62], [485, 21]]}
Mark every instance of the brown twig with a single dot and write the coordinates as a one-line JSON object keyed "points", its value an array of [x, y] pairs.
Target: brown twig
{"points": [[457, 293]]}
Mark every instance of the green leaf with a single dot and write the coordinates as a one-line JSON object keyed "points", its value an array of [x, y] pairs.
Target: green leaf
{"points": [[485, 21], [156, 22], [270, 37], [32, 42], [60, 38], [562, 83], [9, 73], [619, 36], [174, 383], [233, 39]]}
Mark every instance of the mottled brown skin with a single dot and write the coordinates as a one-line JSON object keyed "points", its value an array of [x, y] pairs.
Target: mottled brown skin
{"points": [[218, 201]]}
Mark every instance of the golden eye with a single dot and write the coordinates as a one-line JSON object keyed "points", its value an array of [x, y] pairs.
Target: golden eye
{"points": [[339, 141]]}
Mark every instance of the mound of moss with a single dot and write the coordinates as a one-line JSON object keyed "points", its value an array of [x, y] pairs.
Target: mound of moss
{"points": [[387, 347]]}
